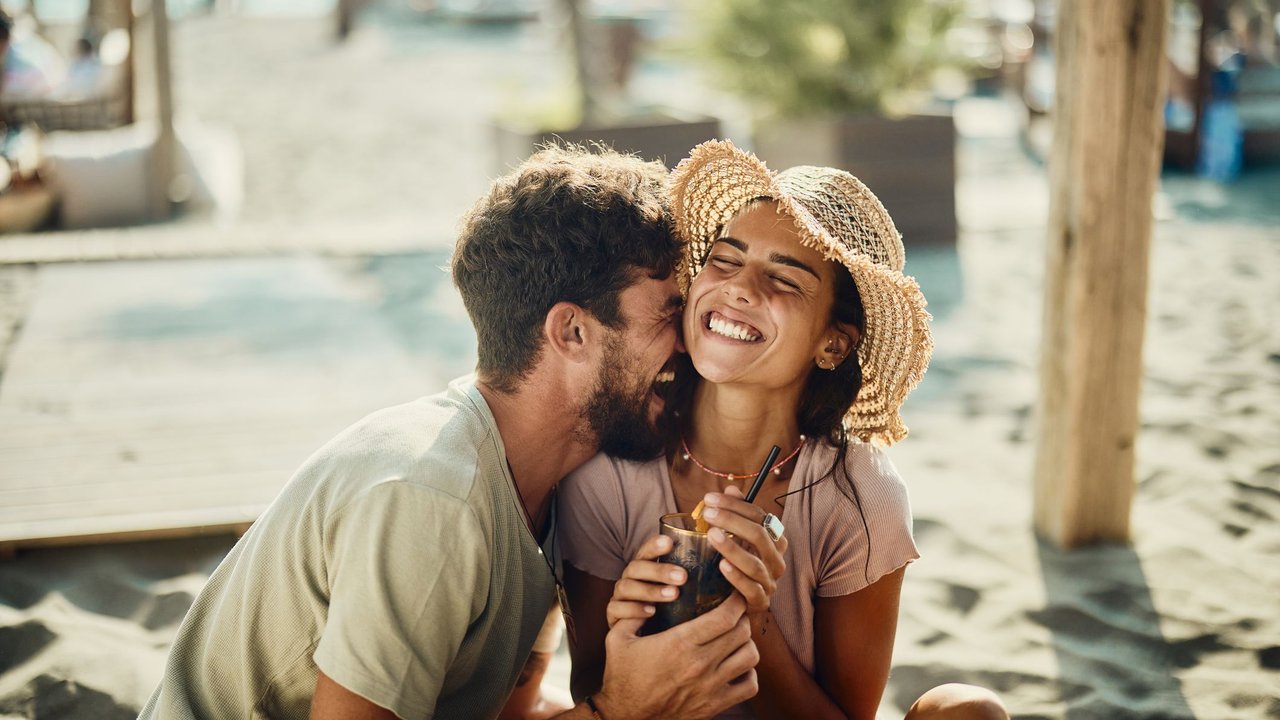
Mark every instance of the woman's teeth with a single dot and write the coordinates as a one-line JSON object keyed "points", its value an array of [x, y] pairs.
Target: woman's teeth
{"points": [[720, 326]]}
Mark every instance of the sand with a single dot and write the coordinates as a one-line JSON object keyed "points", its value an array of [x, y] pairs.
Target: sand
{"points": [[1182, 623]]}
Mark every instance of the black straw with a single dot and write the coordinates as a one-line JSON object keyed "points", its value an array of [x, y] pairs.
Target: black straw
{"points": [[714, 562], [764, 472]]}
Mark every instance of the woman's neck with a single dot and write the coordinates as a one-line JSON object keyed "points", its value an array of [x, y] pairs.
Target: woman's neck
{"points": [[732, 426]]}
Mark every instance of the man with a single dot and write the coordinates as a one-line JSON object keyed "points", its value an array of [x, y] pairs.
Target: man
{"points": [[401, 572], [6, 28]]}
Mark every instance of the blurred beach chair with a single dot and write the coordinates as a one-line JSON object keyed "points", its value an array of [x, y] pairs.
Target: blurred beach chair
{"points": [[104, 178], [27, 202], [91, 93], [111, 162], [100, 113]]}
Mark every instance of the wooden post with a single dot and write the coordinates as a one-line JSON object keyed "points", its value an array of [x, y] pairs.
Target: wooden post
{"points": [[585, 63], [125, 10], [346, 10], [164, 155], [1104, 163]]}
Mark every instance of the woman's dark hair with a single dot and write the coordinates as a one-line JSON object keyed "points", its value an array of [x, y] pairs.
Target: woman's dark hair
{"points": [[829, 394]]}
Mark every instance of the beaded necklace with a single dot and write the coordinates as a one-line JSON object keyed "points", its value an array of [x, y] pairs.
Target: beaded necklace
{"points": [[731, 477]]}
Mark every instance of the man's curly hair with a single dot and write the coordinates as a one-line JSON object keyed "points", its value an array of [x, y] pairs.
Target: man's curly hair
{"points": [[567, 225]]}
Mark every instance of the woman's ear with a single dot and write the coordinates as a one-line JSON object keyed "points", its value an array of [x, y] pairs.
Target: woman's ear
{"points": [[569, 331], [835, 345]]}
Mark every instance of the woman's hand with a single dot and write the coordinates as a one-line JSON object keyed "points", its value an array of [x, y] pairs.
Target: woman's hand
{"points": [[752, 560], [645, 581]]}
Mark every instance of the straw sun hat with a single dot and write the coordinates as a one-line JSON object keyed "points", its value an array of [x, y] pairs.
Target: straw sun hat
{"points": [[839, 217]]}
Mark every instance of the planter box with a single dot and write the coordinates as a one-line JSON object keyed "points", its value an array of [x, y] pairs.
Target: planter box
{"points": [[909, 163], [662, 137]]}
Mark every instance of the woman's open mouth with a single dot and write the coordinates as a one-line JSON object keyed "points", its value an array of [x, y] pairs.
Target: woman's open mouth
{"points": [[732, 329]]}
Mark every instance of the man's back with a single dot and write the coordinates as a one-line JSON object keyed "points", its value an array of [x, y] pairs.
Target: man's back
{"points": [[396, 561]]}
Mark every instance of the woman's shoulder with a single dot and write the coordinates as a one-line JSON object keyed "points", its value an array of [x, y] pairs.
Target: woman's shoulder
{"points": [[603, 473], [861, 519], [867, 465], [878, 493], [609, 507]]}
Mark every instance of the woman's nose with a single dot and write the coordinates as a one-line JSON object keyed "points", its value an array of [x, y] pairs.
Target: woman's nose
{"points": [[742, 287]]}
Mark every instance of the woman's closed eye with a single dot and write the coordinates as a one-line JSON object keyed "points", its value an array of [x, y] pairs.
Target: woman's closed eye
{"points": [[724, 262], [786, 282]]}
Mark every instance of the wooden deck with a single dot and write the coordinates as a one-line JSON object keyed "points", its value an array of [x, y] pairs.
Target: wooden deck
{"points": [[147, 399]]}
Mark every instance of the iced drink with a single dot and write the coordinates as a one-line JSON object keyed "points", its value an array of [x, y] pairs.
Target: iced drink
{"points": [[706, 587]]}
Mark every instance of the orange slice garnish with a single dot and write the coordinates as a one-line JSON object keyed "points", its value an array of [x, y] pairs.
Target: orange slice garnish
{"points": [[701, 525]]}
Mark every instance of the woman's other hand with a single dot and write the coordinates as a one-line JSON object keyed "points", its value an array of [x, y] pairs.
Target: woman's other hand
{"points": [[645, 581], [754, 562]]}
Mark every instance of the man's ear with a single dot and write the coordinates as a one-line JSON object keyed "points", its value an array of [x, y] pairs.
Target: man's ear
{"points": [[569, 331]]}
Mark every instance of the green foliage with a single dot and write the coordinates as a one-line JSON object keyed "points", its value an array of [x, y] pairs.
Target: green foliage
{"points": [[805, 57]]}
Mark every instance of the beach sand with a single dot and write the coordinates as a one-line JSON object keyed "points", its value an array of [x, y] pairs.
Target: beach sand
{"points": [[1182, 623]]}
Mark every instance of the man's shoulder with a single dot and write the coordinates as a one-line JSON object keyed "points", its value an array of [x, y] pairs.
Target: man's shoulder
{"points": [[436, 441], [414, 428]]}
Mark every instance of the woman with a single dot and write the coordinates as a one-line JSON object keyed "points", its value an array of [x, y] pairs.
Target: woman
{"points": [[803, 333]]}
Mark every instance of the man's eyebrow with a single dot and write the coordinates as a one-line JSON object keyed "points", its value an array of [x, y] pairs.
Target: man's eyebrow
{"points": [[774, 257]]}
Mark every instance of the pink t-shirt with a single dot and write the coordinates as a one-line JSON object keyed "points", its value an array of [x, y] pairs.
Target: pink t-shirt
{"points": [[609, 507]]}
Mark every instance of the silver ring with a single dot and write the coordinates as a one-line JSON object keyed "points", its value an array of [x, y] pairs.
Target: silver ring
{"points": [[773, 526]]}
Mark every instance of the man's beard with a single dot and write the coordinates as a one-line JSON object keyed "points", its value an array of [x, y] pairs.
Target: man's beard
{"points": [[617, 414]]}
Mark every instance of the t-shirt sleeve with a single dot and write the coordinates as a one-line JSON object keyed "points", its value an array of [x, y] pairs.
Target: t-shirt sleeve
{"points": [[406, 566], [857, 546], [592, 522]]}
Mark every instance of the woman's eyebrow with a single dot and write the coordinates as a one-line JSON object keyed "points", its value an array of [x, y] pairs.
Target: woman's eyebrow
{"points": [[732, 242], [773, 257], [788, 260]]}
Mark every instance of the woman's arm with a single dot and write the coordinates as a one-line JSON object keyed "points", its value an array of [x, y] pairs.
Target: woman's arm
{"points": [[853, 646], [588, 599], [853, 643]]}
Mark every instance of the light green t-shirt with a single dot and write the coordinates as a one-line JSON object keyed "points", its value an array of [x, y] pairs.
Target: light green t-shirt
{"points": [[397, 561]]}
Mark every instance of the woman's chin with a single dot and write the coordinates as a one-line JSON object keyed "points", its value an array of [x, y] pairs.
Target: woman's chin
{"points": [[718, 370]]}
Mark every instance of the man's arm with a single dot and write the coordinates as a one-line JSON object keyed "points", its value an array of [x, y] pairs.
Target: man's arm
{"points": [[334, 702], [380, 582], [529, 700]]}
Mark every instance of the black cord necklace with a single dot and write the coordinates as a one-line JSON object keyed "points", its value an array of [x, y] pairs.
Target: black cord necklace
{"points": [[551, 558]]}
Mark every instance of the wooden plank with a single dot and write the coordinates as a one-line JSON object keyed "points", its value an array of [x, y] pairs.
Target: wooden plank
{"points": [[167, 398], [1103, 170], [182, 527]]}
